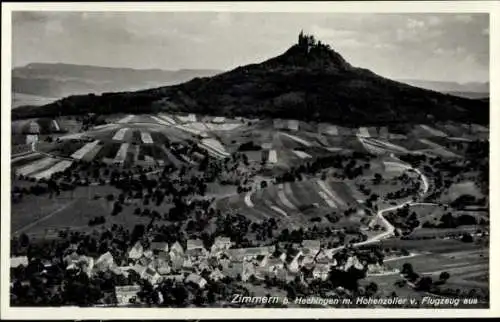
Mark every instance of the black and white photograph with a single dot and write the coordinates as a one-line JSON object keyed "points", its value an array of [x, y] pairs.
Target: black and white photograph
{"points": [[243, 159]]}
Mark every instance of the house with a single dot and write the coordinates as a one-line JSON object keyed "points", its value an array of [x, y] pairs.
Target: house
{"points": [[196, 279], [122, 270], [176, 249], [324, 255], [194, 244], [295, 263], [352, 261], [233, 269], [321, 271], [71, 258], [136, 251], [19, 261], [216, 275], [139, 269], [203, 266], [176, 262], [33, 128], [248, 270], [262, 260], [86, 264], [104, 262], [161, 265], [218, 119], [174, 277], [311, 247], [158, 247], [148, 254], [151, 275], [221, 243], [293, 125], [187, 263], [145, 261], [274, 264], [197, 254], [240, 254], [126, 295]]}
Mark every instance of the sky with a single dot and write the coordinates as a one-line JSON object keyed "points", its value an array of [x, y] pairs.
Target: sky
{"points": [[441, 46]]}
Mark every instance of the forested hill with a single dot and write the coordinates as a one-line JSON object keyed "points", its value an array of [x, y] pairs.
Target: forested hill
{"points": [[310, 81]]}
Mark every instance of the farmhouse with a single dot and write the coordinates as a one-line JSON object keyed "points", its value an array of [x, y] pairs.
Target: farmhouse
{"points": [[139, 269], [196, 279], [104, 262], [177, 248], [175, 277], [136, 251], [221, 243], [216, 275], [151, 275], [218, 120], [352, 261], [321, 271], [233, 269], [295, 263], [240, 254], [19, 261], [162, 267], [33, 128], [126, 295], [311, 247]]}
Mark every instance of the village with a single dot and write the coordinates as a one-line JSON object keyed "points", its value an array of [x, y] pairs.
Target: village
{"points": [[194, 265]]}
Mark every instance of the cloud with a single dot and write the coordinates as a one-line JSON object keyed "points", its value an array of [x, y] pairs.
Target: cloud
{"points": [[386, 43]]}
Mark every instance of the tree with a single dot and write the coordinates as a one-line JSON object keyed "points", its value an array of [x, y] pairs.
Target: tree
{"points": [[444, 276], [467, 238], [425, 283], [24, 240], [407, 269], [371, 289]]}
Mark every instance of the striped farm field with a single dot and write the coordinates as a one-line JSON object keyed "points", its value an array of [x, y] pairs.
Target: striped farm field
{"points": [[146, 138], [58, 167], [328, 129], [26, 159], [161, 121], [166, 118], [159, 137], [293, 203], [126, 119], [297, 139], [121, 154], [427, 130], [91, 155], [302, 154], [36, 166], [136, 137], [363, 132], [67, 148], [80, 153], [409, 144], [186, 118], [143, 118], [120, 134], [108, 150]]}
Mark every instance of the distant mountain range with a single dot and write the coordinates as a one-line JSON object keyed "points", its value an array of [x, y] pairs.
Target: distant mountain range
{"points": [[310, 81], [472, 89], [41, 83]]}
